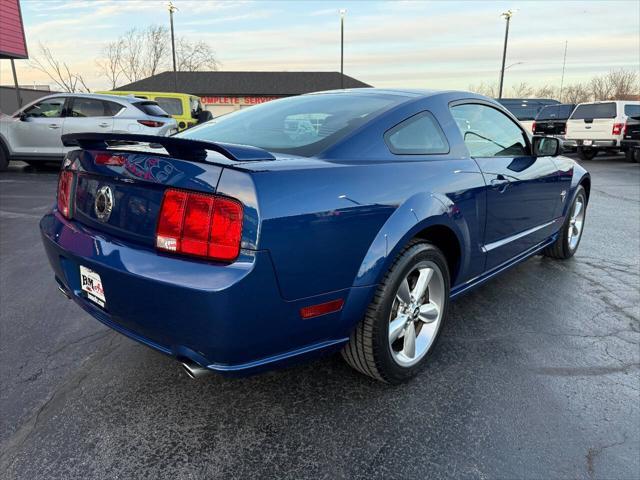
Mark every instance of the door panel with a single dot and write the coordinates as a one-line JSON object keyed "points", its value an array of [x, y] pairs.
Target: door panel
{"points": [[39, 133], [522, 190], [522, 194]]}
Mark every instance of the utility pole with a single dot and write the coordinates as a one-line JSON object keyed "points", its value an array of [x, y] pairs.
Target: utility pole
{"points": [[342, 13], [173, 8], [564, 62], [507, 15], [15, 82]]}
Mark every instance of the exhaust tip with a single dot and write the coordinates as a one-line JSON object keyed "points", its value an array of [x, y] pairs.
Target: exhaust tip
{"points": [[194, 371], [64, 292]]}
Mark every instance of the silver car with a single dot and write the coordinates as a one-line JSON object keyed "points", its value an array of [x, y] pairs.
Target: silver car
{"points": [[32, 134]]}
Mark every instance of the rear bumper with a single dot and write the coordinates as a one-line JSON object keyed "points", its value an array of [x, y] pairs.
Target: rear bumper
{"points": [[597, 143], [228, 318]]}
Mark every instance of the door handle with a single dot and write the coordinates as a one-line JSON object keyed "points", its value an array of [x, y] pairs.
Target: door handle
{"points": [[54, 126], [500, 183], [104, 125]]}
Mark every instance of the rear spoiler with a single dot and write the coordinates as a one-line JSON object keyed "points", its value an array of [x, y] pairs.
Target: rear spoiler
{"points": [[181, 148]]}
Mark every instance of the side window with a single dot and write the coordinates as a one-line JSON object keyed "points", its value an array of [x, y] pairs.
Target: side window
{"points": [[113, 108], [89, 107], [487, 132], [173, 106], [417, 135], [50, 108]]}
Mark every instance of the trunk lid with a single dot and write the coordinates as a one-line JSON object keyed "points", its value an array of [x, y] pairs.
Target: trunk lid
{"points": [[119, 189]]}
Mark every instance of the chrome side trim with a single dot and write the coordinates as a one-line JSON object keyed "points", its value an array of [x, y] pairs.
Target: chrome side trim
{"points": [[491, 246]]}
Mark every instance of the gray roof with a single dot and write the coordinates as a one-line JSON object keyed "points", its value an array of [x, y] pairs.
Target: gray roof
{"points": [[244, 83]]}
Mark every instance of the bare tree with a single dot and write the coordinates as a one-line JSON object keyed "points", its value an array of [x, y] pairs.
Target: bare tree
{"points": [[486, 89], [58, 72], [133, 56], [195, 56], [546, 91], [111, 61], [600, 88], [624, 84], [576, 93], [522, 90], [156, 39]]}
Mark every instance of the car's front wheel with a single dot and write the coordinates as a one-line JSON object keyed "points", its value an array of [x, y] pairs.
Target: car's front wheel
{"points": [[587, 153], [403, 322], [570, 235]]}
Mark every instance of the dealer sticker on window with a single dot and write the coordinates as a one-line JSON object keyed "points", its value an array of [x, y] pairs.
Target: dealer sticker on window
{"points": [[92, 284]]}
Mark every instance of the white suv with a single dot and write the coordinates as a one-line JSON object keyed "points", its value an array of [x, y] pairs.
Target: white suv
{"points": [[597, 126], [32, 134]]}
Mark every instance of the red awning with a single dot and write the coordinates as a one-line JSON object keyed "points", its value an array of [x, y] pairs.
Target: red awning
{"points": [[12, 41]]}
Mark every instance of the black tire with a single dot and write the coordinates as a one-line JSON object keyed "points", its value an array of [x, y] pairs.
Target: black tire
{"points": [[562, 248], [587, 153], [369, 350], [632, 155], [4, 159]]}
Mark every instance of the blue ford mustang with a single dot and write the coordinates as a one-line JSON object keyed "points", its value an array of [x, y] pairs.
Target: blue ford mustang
{"points": [[342, 220]]}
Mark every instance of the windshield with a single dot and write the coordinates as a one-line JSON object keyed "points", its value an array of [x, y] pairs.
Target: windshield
{"points": [[304, 125], [594, 110], [555, 112]]}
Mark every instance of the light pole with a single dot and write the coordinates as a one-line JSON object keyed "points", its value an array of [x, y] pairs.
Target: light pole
{"points": [[172, 8], [564, 62], [342, 14], [507, 15]]}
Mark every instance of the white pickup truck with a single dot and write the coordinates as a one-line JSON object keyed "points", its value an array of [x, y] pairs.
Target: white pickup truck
{"points": [[598, 126]]}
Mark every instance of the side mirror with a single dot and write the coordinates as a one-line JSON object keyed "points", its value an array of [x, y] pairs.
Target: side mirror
{"points": [[23, 117], [546, 146]]}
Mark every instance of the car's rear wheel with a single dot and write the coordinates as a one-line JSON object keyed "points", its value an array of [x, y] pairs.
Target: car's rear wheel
{"points": [[632, 154], [570, 235], [403, 322], [586, 153]]}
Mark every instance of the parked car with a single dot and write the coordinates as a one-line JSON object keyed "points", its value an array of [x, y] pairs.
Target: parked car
{"points": [[32, 134], [244, 243], [631, 140], [526, 109], [552, 121], [599, 126], [185, 108]]}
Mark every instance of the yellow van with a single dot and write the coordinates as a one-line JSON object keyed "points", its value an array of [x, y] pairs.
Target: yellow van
{"points": [[186, 109]]}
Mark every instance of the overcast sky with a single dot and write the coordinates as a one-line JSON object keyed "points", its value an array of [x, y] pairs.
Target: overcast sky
{"points": [[441, 44]]}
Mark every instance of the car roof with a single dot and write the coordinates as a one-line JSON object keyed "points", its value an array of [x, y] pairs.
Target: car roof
{"points": [[98, 96], [402, 92]]}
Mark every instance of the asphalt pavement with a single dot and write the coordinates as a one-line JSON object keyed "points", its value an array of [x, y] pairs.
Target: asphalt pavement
{"points": [[537, 376]]}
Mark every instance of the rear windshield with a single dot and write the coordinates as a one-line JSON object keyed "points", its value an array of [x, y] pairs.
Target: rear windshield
{"points": [[151, 108], [173, 106], [594, 110], [555, 112], [632, 110], [304, 125]]}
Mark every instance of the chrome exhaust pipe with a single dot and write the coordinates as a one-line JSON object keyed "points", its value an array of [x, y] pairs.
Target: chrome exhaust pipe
{"points": [[193, 370], [64, 292]]}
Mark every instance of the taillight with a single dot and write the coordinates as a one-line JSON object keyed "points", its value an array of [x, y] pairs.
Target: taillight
{"points": [[533, 127], [105, 158], [150, 123], [199, 224], [65, 190], [626, 128], [617, 128]]}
